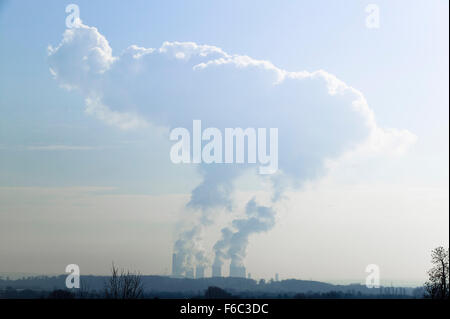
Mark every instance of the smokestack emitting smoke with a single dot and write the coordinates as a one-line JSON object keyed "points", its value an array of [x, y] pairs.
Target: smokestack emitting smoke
{"points": [[188, 254], [176, 266], [190, 273], [233, 244], [237, 271], [216, 271], [318, 116], [199, 272]]}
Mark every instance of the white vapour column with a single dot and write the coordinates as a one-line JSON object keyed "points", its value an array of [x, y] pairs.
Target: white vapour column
{"points": [[237, 271], [199, 272], [217, 271]]}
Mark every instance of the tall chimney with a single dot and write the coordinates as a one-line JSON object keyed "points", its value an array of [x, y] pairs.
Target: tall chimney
{"points": [[174, 264], [199, 272], [217, 271], [237, 271]]}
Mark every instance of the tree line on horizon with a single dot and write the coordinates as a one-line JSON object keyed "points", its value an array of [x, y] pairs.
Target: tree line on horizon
{"points": [[125, 284]]}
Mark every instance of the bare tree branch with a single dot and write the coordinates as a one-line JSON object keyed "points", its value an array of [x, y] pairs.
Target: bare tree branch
{"points": [[124, 284], [437, 286]]}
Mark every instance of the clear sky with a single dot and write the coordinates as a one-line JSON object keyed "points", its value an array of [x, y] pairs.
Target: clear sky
{"points": [[75, 188]]}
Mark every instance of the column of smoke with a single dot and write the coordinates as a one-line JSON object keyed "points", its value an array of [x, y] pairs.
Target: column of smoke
{"points": [[221, 246], [187, 250], [234, 241], [318, 115], [188, 255], [213, 193]]}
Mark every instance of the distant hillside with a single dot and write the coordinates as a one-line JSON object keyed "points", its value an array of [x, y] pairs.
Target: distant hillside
{"points": [[185, 286]]}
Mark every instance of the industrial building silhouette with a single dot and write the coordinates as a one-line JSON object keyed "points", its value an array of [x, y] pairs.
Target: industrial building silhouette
{"points": [[178, 270]]}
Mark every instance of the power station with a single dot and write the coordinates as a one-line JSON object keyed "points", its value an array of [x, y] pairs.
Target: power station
{"points": [[237, 271], [216, 271], [179, 271], [199, 272]]}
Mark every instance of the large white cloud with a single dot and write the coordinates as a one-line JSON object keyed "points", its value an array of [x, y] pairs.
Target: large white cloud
{"points": [[85, 60], [320, 118]]}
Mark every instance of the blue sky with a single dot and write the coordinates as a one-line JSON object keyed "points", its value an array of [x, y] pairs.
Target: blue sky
{"points": [[401, 68], [410, 47]]}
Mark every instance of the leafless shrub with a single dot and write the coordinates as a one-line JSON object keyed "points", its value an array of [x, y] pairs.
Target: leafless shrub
{"points": [[123, 284]]}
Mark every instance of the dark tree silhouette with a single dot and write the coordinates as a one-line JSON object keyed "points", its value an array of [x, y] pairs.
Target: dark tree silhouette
{"points": [[61, 294], [124, 284], [437, 286], [84, 291], [216, 293]]}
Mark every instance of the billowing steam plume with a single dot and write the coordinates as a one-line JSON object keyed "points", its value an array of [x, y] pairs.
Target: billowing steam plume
{"points": [[233, 244], [319, 117]]}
